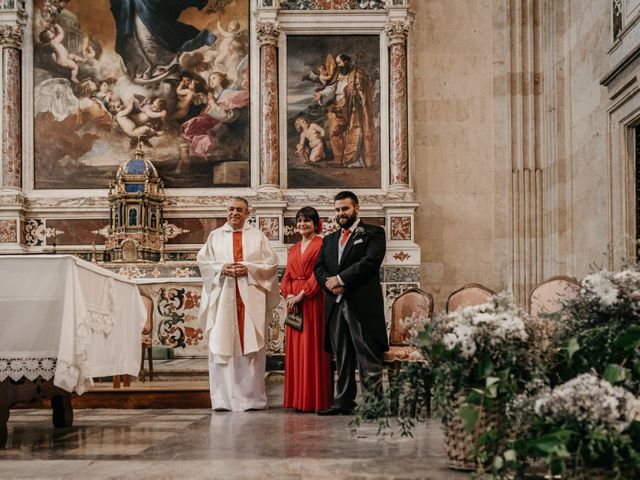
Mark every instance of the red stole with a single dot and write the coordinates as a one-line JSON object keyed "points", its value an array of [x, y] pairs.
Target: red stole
{"points": [[237, 257]]}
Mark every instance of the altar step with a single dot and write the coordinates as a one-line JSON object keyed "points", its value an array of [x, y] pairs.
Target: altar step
{"points": [[197, 369], [179, 370], [156, 394]]}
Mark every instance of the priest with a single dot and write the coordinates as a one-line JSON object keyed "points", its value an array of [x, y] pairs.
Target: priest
{"points": [[240, 288]]}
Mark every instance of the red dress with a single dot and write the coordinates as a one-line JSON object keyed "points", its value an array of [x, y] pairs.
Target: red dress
{"points": [[308, 384]]}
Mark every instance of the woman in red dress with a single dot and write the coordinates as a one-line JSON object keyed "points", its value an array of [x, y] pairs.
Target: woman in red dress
{"points": [[308, 385]]}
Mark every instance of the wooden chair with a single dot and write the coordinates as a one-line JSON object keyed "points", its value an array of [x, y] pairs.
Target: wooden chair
{"points": [[468, 296], [547, 297], [146, 343], [412, 302], [147, 338]]}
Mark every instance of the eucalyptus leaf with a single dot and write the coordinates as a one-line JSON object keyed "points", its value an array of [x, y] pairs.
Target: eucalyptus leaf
{"points": [[630, 338], [470, 417], [614, 373], [572, 347]]}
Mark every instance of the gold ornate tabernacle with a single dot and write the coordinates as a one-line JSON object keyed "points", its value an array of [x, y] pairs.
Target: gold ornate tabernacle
{"points": [[136, 199]]}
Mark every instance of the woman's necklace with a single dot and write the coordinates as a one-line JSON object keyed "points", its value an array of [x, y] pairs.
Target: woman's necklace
{"points": [[305, 243]]}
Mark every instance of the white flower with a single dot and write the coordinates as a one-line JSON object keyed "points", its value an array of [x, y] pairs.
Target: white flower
{"points": [[602, 287], [627, 277], [591, 401], [608, 293], [450, 341], [633, 409], [467, 348]]}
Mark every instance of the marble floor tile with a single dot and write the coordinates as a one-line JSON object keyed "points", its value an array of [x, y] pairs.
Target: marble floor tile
{"points": [[106, 450], [163, 424], [197, 443]]}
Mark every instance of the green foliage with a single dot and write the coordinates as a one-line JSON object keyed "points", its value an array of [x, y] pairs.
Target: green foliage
{"points": [[600, 330]]}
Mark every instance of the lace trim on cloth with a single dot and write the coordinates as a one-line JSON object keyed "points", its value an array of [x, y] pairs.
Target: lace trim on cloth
{"points": [[29, 368], [97, 320]]}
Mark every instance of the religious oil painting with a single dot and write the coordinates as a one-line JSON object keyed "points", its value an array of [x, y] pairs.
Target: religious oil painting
{"points": [[171, 76], [333, 111]]}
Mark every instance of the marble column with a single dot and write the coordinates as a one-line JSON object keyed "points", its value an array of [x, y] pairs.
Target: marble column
{"points": [[397, 31], [268, 33], [13, 19], [10, 42]]}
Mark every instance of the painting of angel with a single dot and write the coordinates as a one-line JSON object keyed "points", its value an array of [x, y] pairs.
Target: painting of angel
{"points": [[333, 113], [170, 76]]}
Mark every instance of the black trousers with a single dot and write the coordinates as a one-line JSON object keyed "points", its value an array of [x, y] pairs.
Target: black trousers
{"points": [[354, 346]]}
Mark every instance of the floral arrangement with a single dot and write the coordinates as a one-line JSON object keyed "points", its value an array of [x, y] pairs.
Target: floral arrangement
{"points": [[479, 358], [491, 350], [580, 425], [600, 329]]}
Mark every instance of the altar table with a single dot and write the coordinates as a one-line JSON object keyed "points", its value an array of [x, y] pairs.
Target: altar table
{"points": [[63, 321]]}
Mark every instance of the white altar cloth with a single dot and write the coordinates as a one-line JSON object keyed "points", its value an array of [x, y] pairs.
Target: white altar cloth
{"points": [[67, 319]]}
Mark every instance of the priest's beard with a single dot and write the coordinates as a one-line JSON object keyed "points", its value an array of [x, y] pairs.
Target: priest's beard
{"points": [[344, 69], [345, 221]]}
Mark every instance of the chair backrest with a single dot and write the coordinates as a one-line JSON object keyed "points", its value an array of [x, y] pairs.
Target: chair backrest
{"points": [[469, 295], [548, 296], [148, 324], [413, 301]]}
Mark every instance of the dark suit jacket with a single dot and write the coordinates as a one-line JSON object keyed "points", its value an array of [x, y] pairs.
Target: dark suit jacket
{"points": [[359, 269]]}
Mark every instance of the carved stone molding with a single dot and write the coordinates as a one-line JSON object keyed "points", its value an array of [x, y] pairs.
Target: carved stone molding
{"points": [[268, 33], [14, 19], [11, 35], [397, 31]]}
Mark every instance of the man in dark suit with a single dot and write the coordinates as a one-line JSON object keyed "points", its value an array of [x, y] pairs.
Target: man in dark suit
{"points": [[348, 268]]}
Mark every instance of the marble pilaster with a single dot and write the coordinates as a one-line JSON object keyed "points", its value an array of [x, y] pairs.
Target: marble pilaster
{"points": [[397, 31], [13, 18], [10, 42], [268, 33]]}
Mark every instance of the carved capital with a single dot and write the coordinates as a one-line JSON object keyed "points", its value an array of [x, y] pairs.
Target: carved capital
{"points": [[11, 35], [268, 33], [397, 30]]}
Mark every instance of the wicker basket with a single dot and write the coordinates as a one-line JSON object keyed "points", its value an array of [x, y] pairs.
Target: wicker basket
{"points": [[460, 443]]}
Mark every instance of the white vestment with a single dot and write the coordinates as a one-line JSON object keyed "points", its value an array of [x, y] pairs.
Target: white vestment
{"points": [[236, 376]]}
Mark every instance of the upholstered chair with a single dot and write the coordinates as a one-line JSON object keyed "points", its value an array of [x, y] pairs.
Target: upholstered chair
{"points": [[419, 304], [147, 341], [547, 297], [468, 296]]}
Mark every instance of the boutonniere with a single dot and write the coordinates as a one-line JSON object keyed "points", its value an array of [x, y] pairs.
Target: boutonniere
{"points": [[359, 231]]}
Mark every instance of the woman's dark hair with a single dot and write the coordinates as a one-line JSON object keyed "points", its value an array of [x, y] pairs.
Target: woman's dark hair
{"points": [[309, 213]]}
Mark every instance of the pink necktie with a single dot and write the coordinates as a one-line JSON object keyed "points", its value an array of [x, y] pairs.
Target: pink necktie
{"points": [[345, 236]]}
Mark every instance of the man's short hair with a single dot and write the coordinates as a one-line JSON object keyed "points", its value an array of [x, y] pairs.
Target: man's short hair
{"points": [[239, 199], [346, 194], [345, 58]]}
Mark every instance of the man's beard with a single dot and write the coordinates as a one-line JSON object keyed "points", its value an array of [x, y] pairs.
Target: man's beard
{"points": [[344, 69], [348, 221]]}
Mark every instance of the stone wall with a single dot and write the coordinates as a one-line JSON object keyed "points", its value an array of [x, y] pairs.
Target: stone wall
{"points": [[459, 174], [522, 121]]}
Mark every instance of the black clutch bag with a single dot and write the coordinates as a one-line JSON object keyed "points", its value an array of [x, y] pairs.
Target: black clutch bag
{"points": [[294, 318]]}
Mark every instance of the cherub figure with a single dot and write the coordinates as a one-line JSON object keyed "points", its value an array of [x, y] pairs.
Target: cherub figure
{"points": [[105, 91], [225, 37], [137, 123], [52, 36], [311, 134], [188, 93], [323, 74]]}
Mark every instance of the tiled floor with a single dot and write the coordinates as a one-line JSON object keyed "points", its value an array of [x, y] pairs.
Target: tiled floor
{"points": [[191, 444]]}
